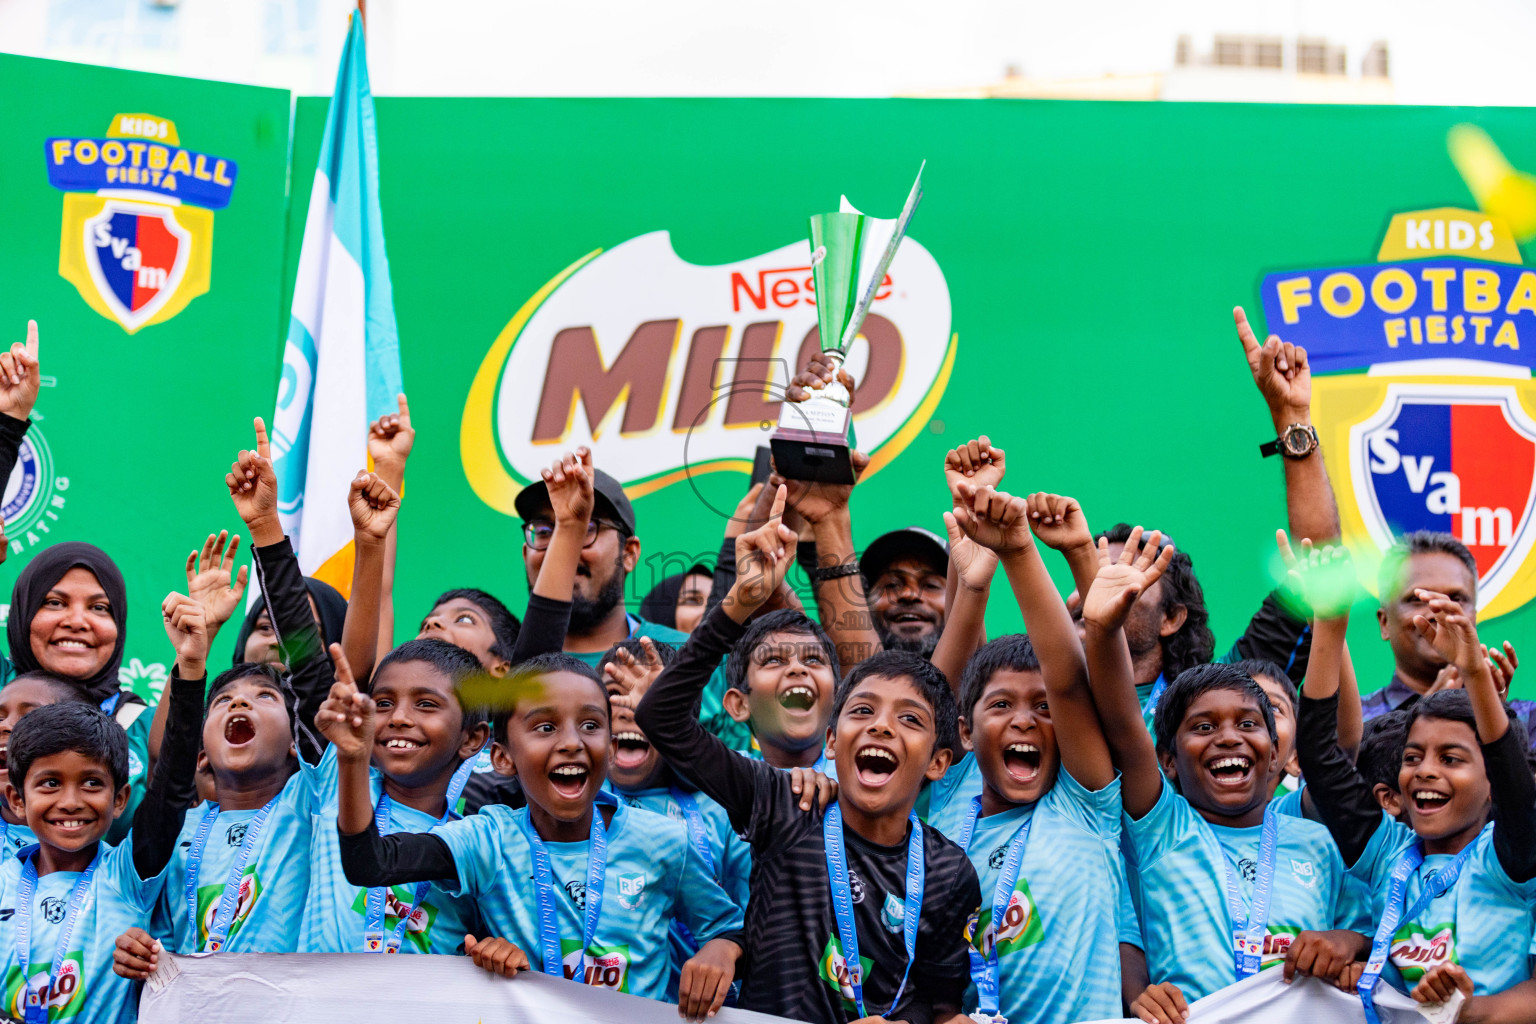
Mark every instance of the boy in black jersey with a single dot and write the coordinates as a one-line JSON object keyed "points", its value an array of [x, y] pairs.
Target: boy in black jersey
{"points": [[893, 726]]}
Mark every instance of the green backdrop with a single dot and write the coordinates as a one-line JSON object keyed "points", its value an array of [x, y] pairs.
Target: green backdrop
{"points": [[144, 427], [1093, 252]]}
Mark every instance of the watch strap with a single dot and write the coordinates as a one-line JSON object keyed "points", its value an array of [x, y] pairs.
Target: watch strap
{"points": [[834, 572]]}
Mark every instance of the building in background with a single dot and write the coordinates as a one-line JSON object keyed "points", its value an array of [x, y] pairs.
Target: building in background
{"points": [[1335, 51]]}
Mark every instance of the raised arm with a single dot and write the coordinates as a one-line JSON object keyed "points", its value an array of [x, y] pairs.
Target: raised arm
{"points": [[666, 714], [1447, 626], [1115, 588], [253, 488], [571, 497], [1060, 525], [172, 783], [1001, 522], [1342, 797], [211, 583], [968, 581], [19, 381], [390, 439], [373, 505], [1283, 377], [348, 719], [971, 567], [841, 601]]}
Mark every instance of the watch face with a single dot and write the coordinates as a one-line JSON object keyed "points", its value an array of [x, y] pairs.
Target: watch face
{"points": [[1298, 441]]}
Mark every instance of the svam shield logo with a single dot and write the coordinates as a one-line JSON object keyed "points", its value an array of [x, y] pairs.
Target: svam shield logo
{"points": [[1457, 459], [137, 255]]}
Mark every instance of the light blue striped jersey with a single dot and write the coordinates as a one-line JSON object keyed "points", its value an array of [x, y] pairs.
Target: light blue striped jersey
{"points": [[1059, 960], [732, 856], [274, 889], [335, 915], [1181, 865], [652, 877], [1484, 923], [16, 837], [949, 799], [85, 989]]}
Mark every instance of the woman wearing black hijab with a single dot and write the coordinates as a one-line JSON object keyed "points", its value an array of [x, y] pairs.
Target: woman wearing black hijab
{"points": [[69, 618], [678, 601]]}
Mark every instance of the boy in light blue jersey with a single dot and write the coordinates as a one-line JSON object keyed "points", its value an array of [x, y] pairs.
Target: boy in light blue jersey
{"points": [[66, 897], [639, 777], [424, 739], [1043, 833], [24, 694], [608, 880], [1223, 885], [1454, 881], [239, 879]]}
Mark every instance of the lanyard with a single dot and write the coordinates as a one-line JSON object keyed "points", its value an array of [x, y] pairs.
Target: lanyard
{"points": [[229, 901], [842, 902], [695, 821], [1248, 927], [1393, 914], [1149, 709], [374, 904], [544, 887], [984, 967], [699, 839], [36, 1003]]}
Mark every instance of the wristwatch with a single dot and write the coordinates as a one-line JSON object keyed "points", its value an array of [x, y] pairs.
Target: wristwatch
{"points": [[1296, 441]]}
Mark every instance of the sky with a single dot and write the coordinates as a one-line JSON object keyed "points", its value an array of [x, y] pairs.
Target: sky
{"points": [[1474, 52]]}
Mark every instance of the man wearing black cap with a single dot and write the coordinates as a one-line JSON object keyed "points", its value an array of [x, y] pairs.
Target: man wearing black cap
{"points": [[599, 618], [904, 573]]}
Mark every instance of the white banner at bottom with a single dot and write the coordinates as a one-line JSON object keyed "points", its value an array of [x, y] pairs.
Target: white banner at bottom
{"points": [[1265, 998], [297, 988]]}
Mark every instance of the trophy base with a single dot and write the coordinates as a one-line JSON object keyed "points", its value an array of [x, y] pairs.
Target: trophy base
{"points": [[812, 456]]}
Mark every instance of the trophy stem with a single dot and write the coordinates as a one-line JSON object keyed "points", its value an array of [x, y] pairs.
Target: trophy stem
{"points": [[836, 391]]}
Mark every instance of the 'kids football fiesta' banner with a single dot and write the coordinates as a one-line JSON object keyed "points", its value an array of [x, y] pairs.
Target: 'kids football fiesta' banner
{"points": [[634, 275]]}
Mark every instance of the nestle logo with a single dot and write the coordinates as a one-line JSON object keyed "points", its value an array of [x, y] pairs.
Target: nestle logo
{"points": [[785, 288]]}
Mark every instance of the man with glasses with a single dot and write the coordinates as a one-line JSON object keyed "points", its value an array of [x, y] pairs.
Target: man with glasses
{"points": [[599, 618]]}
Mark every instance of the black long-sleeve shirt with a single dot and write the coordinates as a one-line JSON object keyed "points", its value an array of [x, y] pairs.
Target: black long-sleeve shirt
{"points": [[1347, 806], [12, 430], [791, 928], [310, 672], [173, 784]]}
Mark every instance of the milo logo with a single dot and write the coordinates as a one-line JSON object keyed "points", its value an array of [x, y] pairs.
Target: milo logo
{"points": [[397, 904], [668, 369], [65, 1000], [1277, 941], [1021, 926], [602, 966], [208, 897], [834, 971], [1416, 949]]}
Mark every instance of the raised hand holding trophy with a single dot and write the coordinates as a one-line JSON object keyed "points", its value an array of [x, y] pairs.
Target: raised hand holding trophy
{"points": [[850, 254]]}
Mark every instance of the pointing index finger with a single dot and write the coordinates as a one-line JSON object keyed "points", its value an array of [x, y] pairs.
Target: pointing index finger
{"points": [[32, 339], [263, 447], [1244, 332], [779, 496]]}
